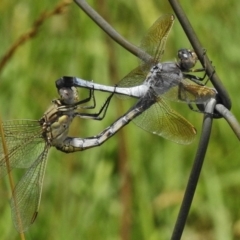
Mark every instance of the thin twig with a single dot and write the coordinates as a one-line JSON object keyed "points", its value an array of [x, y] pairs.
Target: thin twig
{"points": [[59, 9]]}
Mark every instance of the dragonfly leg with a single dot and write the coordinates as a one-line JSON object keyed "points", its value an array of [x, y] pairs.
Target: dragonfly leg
{"points": [[68, 107], [61, 85], [102, 112], [88, 99], [197, 79]]}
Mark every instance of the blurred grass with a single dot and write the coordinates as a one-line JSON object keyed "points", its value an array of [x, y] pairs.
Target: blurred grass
{"points": [[93, 194]]}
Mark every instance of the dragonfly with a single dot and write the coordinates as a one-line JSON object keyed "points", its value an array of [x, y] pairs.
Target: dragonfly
{"points": [[28, 143], [153, 83]]}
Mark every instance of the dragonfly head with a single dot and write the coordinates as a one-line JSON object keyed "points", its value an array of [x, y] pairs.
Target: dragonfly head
{"points": [[68, 95], [187, 59]]}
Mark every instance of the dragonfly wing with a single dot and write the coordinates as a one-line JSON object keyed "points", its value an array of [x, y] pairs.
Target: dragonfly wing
{"points": [[160, 119], [134, 78], [20, 127], [189, 92], [27, 193], [22, 139], [155, 39], [152, 43]]}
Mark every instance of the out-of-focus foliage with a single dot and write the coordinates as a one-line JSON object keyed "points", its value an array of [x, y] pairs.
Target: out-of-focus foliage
{"points": [[130, 187]]}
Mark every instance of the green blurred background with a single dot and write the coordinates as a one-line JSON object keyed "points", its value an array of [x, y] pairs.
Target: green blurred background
{"points": [[131, 187]]}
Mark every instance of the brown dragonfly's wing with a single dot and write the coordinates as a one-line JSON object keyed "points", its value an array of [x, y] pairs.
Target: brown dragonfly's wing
{"points": [[27, 193], [189, 92], [153, 43], [24, 144], [160, 119]]}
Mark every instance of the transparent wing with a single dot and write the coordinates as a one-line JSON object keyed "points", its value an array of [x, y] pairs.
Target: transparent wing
{"points": [[155, 39], [27, 193], [160, 119], [188, 92], [134, 78], [23, 140], [152, 43]]}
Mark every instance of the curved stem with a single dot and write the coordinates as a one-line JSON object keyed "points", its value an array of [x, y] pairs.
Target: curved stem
{"points": [[230, 118], [111, 32]]}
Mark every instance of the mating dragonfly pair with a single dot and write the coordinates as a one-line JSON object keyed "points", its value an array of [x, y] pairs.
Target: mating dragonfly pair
{"points": [[28, 142]]}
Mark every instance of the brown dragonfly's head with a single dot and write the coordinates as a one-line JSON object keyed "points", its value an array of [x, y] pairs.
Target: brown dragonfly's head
{"points": [[68, 95], [187, 59]]}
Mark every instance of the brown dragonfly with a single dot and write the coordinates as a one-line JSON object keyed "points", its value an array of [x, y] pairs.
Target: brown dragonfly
{"points": [[25, 144]]}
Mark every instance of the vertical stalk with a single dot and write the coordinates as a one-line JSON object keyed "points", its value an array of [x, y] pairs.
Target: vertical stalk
{"points": [[10, 178]]}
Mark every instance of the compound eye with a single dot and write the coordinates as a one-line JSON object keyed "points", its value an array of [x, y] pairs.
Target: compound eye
{"points": [[194, 55], [186, 54]]}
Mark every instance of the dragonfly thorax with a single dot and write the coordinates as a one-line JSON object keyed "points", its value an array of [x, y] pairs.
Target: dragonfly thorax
{"points": [[55, 125], [164, 76], [154, 73], [57, 132], [57, 119]]}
